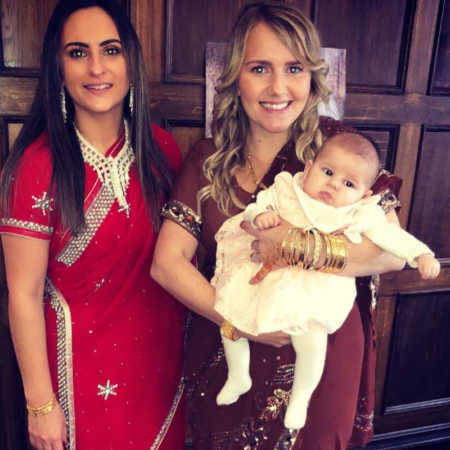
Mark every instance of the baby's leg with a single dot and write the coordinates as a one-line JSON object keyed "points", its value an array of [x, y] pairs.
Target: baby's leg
{"points": [[311, 349], [237, 354]]}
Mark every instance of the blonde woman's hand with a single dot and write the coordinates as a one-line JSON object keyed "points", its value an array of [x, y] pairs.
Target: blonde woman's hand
{"points": [[275, 339], [265, 247], [48, 432]]}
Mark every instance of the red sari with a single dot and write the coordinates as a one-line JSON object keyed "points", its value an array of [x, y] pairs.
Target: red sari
{"points": [[114, 336]]}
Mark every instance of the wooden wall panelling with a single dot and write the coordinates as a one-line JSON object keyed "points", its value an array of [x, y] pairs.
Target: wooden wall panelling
{"points": [[22, 45], [419, 355], [421, 50], [16, 95], [376, 43], [189, 26], [405, 166], [186, 133], [430, 213], [148, 19], [440, 80], [421, 319], [384, 323], [400, 109], [385, 136]]}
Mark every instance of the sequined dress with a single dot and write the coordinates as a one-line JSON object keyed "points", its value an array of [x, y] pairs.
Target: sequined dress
{"points": [[114, 336], [341, 409]]}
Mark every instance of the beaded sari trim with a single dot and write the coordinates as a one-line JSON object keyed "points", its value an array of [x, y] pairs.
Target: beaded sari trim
{"points": [[64, 359], [184, 216], [168, 420], [26, 225], [94, 216]]}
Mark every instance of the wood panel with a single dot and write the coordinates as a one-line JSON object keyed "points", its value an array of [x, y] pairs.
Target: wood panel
{"points": [[441, 74], [189, 26], [23, 31], [385, 136], [420, 348], [376, 44], [398, 72], [430, 214]]}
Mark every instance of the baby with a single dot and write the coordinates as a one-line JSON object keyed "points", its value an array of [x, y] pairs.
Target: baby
{"points": [[332, 195]]}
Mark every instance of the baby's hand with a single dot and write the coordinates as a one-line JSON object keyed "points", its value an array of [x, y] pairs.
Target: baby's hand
{"points": [[428, 266], [267, 219]]}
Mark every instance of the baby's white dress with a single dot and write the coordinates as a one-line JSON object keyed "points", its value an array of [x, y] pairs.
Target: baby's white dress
{"points": [[289, 299]]}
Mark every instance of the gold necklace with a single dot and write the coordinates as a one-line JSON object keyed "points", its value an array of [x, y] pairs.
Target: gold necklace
{"points": [[257, 182]]}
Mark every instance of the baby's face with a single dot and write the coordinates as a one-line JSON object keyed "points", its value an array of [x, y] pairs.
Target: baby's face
{"points": [[338, 177]]}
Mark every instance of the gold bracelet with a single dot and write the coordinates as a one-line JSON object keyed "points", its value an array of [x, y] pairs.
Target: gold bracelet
{"points": [[44, 409], [229, 331], [300, 245], [341, 254], [317, 249], [336, 254], [283, 252], [327, 252]]}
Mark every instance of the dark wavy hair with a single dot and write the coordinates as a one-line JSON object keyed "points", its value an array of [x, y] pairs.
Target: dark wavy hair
{"points": [[68, 175]]}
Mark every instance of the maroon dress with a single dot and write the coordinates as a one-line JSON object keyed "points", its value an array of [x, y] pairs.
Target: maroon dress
{"points": [[341, 407]]}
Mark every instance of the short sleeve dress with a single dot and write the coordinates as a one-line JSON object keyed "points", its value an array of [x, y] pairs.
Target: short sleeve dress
{"points": [[341, 409], [114, 336]]}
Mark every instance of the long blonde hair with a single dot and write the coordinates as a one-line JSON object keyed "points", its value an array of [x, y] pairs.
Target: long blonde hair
{"points": [[230, 124]]}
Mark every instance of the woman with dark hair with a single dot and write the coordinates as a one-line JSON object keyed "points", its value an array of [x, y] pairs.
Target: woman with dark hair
{"points": [[81, 191], [266, 121]]}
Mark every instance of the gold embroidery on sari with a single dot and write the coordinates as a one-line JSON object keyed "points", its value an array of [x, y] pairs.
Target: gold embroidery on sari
{"points": [[275, 403], [184, 216], [284, 374]]}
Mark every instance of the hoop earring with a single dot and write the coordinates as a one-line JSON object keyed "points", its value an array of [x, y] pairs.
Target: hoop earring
{"points": [[62, 95], [131, 101]]}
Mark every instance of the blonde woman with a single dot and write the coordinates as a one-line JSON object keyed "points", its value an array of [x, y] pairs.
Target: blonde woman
{"points": [[265, 122]]}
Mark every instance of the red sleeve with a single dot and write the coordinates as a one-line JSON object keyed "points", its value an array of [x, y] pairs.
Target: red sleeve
{"points": [[32, 204], [168, 145]]}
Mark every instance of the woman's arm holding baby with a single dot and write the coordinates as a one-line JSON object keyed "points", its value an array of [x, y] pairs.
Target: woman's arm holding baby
{"points": [[363, 259]]}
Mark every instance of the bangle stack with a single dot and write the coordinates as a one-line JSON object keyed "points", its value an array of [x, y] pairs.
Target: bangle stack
{"points": [[44, 409], [303, 248]]}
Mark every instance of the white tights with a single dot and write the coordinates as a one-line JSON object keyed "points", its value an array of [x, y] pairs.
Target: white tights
{"points": [[310, 349]]}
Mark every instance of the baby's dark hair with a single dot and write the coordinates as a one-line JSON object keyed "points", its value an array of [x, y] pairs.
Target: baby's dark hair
{"points": [[359, 144]]}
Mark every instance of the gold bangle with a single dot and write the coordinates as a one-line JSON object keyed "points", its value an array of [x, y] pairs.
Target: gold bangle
{"points": [[229, 331], [317, 249], [336, 254], [327, 252], [300, 246], [283, 252], [307, 256], [44, 409]]}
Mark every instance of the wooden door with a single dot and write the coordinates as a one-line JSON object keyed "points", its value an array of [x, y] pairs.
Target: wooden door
{"points": [[398, 90]]}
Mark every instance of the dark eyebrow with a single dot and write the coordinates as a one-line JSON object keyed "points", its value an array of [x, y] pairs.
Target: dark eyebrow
{"points": [[84, 45], [263, 62]]}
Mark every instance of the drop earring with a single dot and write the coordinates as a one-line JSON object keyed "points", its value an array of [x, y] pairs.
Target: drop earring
{"points": [[131, 101], [63, 104]]}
